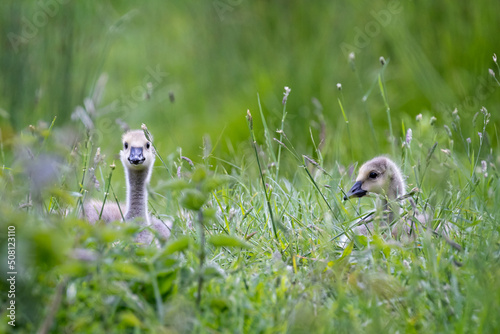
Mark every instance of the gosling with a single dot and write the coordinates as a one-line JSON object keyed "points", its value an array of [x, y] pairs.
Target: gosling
{"points": [[137, 157], [383, 177]]}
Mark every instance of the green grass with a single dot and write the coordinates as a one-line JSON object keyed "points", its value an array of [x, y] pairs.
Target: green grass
{"points": [[257, 208], [283, 274]]}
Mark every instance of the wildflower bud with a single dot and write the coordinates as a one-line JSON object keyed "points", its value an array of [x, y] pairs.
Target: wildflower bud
{"points": [[382, 60], [480, 135], [492, 73], [339, 86], [468, 140], [249, 119], [419, 117], [352, 56], [408, 137], [484, 168], [112, 166], [179, 175], [189, 161], [455, 112], [285, 94], [433, 120], [446, 151], [97, 185], [280, 142], [484, 111], [144, 127], [97, 157], [448, 131], [495, 57]]}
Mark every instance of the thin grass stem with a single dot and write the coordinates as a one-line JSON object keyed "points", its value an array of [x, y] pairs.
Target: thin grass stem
{"points": [[112, 166], [254, 144]]}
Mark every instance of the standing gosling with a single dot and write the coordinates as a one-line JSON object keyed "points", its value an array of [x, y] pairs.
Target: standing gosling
{"points": [[137, 157]]}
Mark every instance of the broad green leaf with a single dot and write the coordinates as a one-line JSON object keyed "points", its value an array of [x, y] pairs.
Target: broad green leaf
{"points": [[222, 240], [199, 175], [213, 270], [215, 182], [193, 199], [209, 213], [361, 240], [381, 244], [178, 245], [177, 184], [129, 319], [129, 270], [74, 269], [220, 304], [108, 234]]}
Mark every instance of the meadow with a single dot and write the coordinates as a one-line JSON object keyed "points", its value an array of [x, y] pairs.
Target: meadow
{"points": [[262, 113]]}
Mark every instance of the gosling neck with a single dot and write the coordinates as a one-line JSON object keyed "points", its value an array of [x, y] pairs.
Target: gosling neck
{"points": [[389, 201], [137, 195]]}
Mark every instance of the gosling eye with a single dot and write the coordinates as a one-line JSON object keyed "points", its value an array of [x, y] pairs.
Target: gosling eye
{"points": [[125, 145], [373, 175], [148, 145]]}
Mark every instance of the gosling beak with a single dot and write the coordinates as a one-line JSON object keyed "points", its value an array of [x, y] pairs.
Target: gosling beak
{"points": [[136, 157], [355, 191]]}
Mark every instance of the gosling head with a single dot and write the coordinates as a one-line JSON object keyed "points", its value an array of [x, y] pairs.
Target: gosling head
{"points": [[380, 176], [137, 152]]}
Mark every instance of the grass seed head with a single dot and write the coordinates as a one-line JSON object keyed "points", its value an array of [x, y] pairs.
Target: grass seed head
{"points": [[249, 119], [285, 94]]}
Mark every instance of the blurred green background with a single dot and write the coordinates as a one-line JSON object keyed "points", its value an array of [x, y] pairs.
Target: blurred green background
{"points": [[220, 54]]}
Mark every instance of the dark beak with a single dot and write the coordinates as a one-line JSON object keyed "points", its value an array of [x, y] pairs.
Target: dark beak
{"points": [[355, 191], [136, 157]]}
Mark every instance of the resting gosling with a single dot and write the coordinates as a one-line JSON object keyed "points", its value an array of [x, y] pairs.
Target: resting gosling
{"points": [[137, 157], [382, 176]]}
